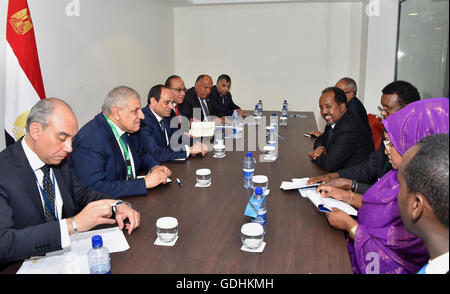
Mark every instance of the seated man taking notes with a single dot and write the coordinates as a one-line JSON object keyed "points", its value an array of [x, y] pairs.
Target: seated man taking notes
{"points": [[157, 137], [41, 202], [106, 158], [345, 141]]}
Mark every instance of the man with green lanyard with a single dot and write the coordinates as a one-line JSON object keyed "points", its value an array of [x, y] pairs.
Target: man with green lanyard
{"points": [[107, 158]]}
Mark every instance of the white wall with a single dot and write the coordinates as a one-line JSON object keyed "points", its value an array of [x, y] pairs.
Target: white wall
{"points": [[271, 51], [111, 42], [380, 56]]}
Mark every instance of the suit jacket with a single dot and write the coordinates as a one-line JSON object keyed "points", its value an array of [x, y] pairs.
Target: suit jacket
{"points": [[369, 171], [98, 161], [224, 102], [153, 140], [356, 107], [191, 102], [350, 144], [24, 231]]}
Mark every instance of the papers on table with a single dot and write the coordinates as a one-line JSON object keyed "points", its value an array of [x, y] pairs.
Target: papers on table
{"points": [[326, 204], [309, 191], [297, 184], [202, 129], [73, 260]]}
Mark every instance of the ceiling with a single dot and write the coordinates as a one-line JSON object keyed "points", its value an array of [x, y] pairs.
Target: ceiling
{"points": [[179, 3]]}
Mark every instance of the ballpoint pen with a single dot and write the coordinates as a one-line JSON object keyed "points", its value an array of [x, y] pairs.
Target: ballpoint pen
{"points": [[179, 182]]}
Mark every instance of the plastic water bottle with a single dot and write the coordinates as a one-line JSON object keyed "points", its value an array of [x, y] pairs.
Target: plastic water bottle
{"points": [[285, 104], [272, 137], [262, 211], [235, 125], [248, 168], [283, 118], [274, 122], [260, 107], [218, 136], [98, 257], [256, 115]]}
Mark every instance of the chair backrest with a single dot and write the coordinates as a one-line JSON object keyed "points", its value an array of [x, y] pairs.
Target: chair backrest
{"points": [[377, 129]]}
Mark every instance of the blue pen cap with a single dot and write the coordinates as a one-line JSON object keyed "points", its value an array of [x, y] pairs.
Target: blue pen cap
{"points": [[249, 154], [97, 241], [258, 191]]}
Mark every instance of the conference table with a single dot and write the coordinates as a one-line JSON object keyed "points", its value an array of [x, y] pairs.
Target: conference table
{"points": [[298, 238]]}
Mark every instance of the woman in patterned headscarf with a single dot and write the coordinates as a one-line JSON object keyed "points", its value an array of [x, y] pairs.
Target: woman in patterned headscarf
{"points": [[378, 242]]}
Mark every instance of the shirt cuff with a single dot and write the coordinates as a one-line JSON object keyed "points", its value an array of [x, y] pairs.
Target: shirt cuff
{"points": [[186, 147], [65, 238]]}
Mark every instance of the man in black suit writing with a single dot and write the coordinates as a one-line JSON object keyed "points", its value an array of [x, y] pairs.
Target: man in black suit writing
{"points": [[41, 202], [345, 141]]}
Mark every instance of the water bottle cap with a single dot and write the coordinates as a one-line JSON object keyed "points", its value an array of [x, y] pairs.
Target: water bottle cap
{"points": [[97, 241], [285, 100], [274, 114], [259, 100], [258, 191], [248, 154]]}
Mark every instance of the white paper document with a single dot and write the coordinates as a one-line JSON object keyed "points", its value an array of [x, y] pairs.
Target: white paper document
{"points": [[73, 260], [297, 184], [202, 129], [329, 203]]}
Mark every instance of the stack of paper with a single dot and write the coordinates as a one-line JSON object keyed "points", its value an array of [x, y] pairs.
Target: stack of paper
{"points": [[74, 260], [297, 184]]}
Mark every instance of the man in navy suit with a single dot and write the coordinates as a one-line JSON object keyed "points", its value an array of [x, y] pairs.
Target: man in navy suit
{"points": [[221, 95], [157, 137], [106, 158], [41, 202]]}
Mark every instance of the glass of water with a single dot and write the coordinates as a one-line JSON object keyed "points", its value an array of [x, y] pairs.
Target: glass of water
{"points": [[252, 235], [167, 229], [219, 151], [260, 181], [203, 176]]}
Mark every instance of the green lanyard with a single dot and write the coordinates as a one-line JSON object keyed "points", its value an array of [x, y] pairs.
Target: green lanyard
{"points": [[123, 146]]}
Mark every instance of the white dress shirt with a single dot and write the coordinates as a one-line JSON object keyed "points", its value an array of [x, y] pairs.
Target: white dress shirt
{"points": [[159, 119]]}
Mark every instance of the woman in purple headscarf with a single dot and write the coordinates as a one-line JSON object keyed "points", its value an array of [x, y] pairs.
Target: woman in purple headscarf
{"points": [[377, 241]]}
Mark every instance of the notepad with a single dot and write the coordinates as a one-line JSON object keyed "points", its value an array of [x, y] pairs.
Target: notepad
{"points": [[326, 204]]}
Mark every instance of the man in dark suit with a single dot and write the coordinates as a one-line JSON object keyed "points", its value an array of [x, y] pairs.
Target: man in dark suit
{"points": [[395, 96], [106, 158], [41, 202], [345, 141], [221, 95], [176, 85], [354, 105], [198, 105], [156, 135]]}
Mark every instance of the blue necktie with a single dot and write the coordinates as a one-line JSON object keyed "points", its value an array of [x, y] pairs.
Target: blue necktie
{"points": [[330, 133], [49, 190]]}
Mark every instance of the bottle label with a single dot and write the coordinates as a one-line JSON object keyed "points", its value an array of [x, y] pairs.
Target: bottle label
{"points": [[248, 174], [260, 219], [253, 205]]}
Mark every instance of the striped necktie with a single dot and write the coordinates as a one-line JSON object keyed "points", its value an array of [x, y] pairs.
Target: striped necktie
{"points": [[49, 190]]}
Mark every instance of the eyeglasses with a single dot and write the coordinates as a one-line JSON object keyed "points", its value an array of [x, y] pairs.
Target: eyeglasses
{"points": [[388, 144], [387, 110], [179, 89]]}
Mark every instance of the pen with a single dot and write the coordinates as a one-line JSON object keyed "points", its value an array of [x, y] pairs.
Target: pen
{"points": [[179, 182]]}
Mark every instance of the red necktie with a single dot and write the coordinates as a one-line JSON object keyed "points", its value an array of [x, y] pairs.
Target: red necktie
{"points": [[177, 113]]}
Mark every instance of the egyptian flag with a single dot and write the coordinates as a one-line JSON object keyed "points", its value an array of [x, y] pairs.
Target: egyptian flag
{"points": [[24, 85]]}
